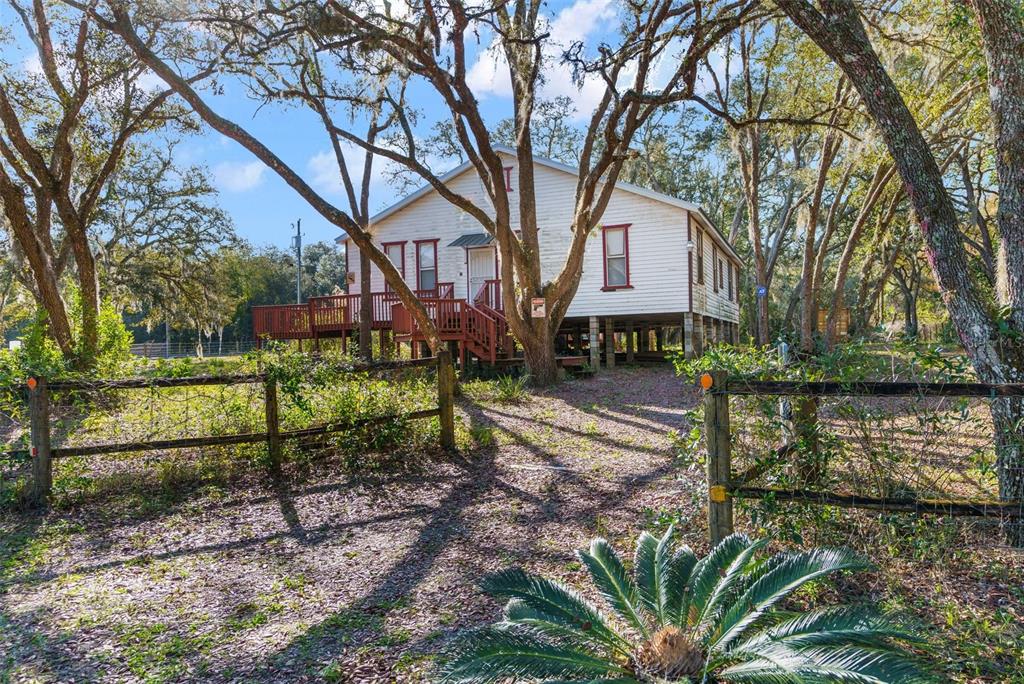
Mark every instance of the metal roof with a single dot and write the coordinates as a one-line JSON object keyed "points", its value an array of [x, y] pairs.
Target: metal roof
{"points": [[472, 240]]}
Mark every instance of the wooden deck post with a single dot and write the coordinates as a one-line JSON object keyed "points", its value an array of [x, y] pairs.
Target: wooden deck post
{"points": [[595, 345], [609, 342], [42, 465], [273, 424], [659, 338], [446, 398], [630, 343], [719, 455]]}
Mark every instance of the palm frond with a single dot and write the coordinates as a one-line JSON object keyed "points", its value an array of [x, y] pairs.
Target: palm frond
{"points": [[785, 578], [708, 571], [614, 583], [836, 626], [681, 568], [554, 601], [828, 664], [501, 652], [730, 580], [652, 566]]}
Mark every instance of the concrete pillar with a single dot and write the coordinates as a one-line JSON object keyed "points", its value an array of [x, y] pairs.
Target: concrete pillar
{"points": [[688, 331], [595, 346], [630, 343], [609, 342], [693, 335]]}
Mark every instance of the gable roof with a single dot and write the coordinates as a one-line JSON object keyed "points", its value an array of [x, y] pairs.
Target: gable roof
{"points": [[694, 209]]}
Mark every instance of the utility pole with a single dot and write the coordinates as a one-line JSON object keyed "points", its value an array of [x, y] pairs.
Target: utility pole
{"points": [[297, 244]]}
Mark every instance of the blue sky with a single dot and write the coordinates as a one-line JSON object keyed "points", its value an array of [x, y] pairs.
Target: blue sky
{"points": [[263, 207]]}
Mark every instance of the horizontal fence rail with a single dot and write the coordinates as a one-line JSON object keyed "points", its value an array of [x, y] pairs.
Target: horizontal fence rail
{"points": [[42, 452], [742, 387], [724, 485]]}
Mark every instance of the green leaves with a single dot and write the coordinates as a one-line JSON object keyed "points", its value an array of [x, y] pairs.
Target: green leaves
{"points": [[614, 583], [787, 576], [502, 652], [558, 607], [727, 600], [652, 566]]}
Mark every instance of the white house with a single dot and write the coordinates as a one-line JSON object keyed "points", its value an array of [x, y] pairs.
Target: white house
{"points": [[654, 262]]}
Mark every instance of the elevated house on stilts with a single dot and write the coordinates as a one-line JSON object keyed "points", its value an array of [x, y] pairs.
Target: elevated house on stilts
{"points": [[656, 265]]}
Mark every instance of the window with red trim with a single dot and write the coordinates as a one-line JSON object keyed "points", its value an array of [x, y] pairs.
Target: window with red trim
{"points": [[395, 252], [616, 256], [700, 256], [426, 264], [508, 179], [714, 266]]}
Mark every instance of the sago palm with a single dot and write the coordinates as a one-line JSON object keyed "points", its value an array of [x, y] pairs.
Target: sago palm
{"points": [[678, 618]]}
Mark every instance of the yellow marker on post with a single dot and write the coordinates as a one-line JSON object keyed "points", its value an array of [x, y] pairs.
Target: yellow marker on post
{"points": [[718, 494]]}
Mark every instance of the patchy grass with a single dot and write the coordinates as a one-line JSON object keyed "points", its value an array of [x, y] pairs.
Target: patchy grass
{"points": [[363, 570]]}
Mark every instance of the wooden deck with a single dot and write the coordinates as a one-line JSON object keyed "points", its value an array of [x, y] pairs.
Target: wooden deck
{"points": [[478, 327]]}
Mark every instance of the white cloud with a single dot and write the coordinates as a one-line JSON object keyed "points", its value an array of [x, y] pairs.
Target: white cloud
{"points": [[32, 65], [489, 74], [326, 177], [150, 82], [239, 176]]}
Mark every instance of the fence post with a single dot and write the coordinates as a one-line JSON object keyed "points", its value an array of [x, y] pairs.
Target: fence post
{"points": [[446, 398], [273, 424], [719, 458], [39, 420]]}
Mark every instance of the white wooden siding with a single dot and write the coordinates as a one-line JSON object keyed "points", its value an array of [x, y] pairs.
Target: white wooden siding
{"points": [[657, 236]]}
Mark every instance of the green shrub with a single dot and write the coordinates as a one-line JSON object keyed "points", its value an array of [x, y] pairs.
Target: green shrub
{"points": [[511, 389], [678, 618]]}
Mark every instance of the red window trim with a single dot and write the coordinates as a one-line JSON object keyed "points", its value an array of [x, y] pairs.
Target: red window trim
{"points": [[416, 253], [384, 247], [624, 227], [699, 246], [714, 266], [348, 265], [508, 178]]}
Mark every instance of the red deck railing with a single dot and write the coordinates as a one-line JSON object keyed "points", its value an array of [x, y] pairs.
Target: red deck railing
{"points": [[482, 328], [489, 294], [332, 314]]}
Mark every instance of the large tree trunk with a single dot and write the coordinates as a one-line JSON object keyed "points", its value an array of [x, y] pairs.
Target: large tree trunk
{"points": [[838, 31], [44, 274], [89, 294], [1007, 417], [539, 354]]}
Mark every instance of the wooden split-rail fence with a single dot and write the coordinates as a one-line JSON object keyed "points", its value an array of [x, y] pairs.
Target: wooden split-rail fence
{"points": [[42, 453], [724, 485]]}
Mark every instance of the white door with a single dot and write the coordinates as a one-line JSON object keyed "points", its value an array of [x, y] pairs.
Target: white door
{"points": [[481, 269]]}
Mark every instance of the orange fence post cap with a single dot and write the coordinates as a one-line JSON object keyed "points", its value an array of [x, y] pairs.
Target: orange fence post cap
{"points": [[706, 381], [32, 382]]}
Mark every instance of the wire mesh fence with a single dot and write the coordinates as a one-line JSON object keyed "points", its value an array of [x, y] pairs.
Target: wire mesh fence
{"points": [[208, 425], [918, 449]]}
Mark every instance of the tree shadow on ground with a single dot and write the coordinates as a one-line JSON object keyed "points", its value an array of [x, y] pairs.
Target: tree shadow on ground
{"points": [[445, 527]]}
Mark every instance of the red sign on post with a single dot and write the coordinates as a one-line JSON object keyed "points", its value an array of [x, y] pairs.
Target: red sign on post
{"points": [[538, 308]]}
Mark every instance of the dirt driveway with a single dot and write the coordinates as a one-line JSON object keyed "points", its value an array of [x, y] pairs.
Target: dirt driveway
{"points": [[335, 578]]}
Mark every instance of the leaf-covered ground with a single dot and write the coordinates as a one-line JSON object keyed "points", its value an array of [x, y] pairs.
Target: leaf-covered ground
{"points": [[364, 578]]}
